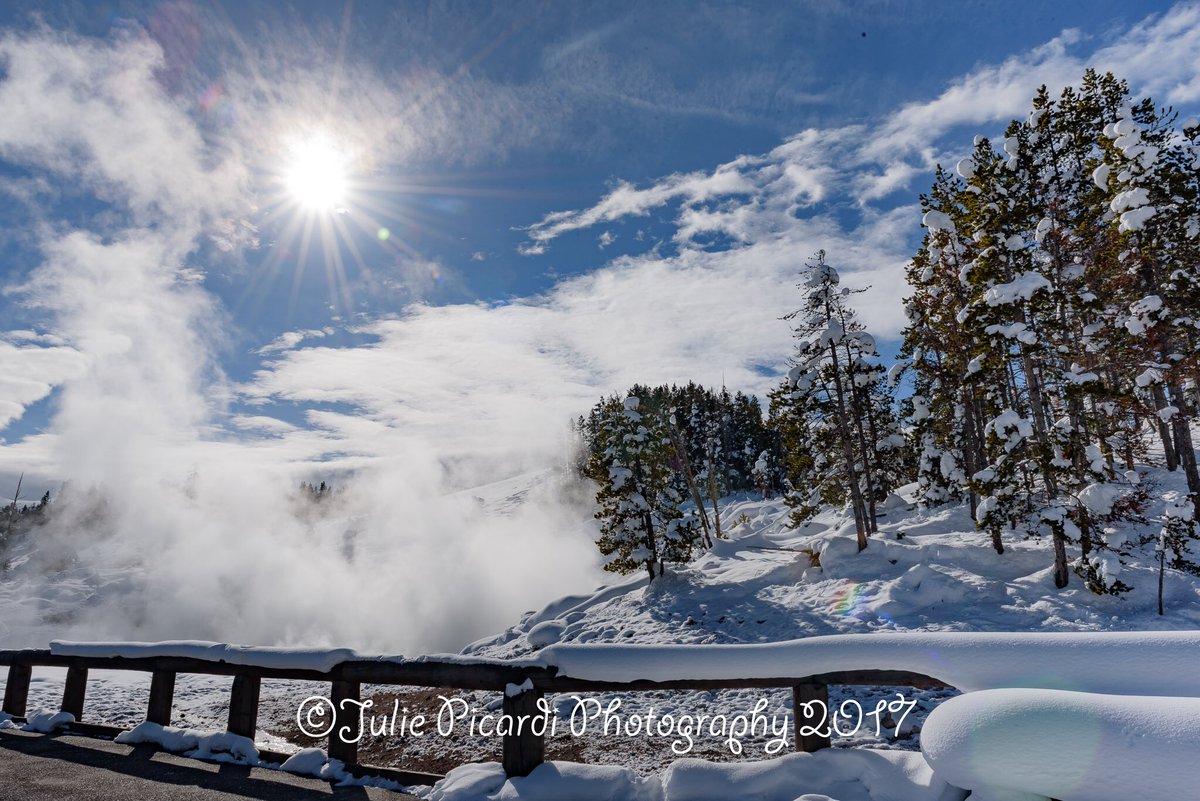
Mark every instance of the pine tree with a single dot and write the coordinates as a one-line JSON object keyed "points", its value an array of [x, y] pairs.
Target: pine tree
{"points": [[1053, 319], [641, 523], [835, 396]]}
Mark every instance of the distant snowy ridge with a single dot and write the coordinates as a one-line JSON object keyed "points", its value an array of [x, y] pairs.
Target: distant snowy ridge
{"points": [[1129, 663]]}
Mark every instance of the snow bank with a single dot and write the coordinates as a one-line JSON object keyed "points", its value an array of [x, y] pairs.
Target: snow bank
{"points": [[1141, 662], [840, 775], [860, 774], [1067, 745], [306, 762], [550, 781], [46, 722], [223, 746], [320, 659], [217, 745]]}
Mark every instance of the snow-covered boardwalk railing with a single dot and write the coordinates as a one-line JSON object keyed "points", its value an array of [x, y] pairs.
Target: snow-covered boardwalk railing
{"points": [[523, 682], [1110, 662]]}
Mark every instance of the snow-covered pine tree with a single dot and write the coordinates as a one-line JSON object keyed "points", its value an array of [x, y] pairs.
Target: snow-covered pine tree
{"points": [[947, 407], [715, 441], [1153, 177], [804, 478], [1063, 271], [764, 474], [808, 448], [1179, 534], [641, 523], [836, 395]]}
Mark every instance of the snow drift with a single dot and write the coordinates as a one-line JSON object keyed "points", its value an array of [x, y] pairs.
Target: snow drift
{"points": [[1067, 745]]}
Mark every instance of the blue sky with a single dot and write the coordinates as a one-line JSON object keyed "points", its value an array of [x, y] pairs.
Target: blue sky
{"points": [[576, 197]]}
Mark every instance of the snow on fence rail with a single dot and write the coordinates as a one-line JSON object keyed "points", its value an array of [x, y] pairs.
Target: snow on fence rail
{"points": [[1128, 663], [1122, 663]]}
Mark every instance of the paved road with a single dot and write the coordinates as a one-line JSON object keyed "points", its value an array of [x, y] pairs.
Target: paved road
{"points": [[73, 768]]}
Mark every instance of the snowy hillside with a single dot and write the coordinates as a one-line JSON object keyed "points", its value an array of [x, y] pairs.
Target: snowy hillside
{"points": [[928, 570]]}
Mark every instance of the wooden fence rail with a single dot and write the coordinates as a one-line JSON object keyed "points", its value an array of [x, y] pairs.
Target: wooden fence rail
{"points": [[522, 751]]}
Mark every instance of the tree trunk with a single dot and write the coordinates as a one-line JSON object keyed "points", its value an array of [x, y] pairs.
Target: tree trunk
{"points": [[868, 472], [848, 452], [1061, 576], [1185, 451], [873, 439], [1033, 382], [1162, 568], [1164, 431], [648, 522], [970, 457], [1085, 534]]}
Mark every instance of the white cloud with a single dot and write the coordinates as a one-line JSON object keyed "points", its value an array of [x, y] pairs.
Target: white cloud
{"points": [[1158, 56], [29, 373], [627, 200], [406, 279], [987, 95], [92, 111], [270, 425], [290, 339]]}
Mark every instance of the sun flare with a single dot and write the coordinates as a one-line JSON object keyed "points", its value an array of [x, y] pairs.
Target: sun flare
{"points": [[317, 174]]}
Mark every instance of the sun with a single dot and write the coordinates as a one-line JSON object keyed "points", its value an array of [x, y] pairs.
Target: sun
{"points": [[334, 204], [317, 174]]}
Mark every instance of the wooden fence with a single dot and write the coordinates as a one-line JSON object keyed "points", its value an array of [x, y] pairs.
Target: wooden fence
{"points": [[522, 751]]}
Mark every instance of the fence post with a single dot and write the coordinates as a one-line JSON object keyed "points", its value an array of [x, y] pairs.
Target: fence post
{"points": [[162, 695], [16, 691], [74, 691], [523, 749], [243, 705], [343, 738], [810, 707]]}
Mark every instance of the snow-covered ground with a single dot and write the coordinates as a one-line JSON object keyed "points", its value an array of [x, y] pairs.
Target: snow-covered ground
{"points": [[927, 572]]}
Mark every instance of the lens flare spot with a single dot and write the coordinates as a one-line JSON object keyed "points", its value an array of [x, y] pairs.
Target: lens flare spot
{"points": [[849, 602], [211, 97], [384, 234]]}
